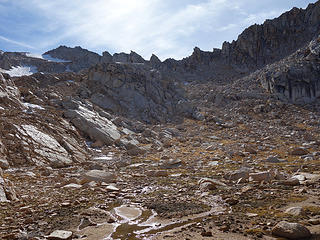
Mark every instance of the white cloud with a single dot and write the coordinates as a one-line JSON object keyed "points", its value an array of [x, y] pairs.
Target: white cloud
{"points": [[21, 44], [164, 27], [145, 26]]}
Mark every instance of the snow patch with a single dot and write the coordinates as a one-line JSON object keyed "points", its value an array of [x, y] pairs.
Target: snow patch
{"points": [[34, 55], [21, 71], [46, 57], [30, 105], [52, 59]]}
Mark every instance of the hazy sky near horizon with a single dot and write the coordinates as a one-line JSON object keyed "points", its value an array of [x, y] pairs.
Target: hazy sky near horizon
{"points": [[167, 28]]}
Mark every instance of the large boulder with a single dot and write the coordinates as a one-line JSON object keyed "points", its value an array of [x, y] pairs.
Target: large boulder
{"points": [[99, 176], [291, 230], [98, 128]]}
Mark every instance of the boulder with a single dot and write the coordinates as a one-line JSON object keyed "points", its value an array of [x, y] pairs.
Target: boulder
{"points": [[242, 173], [291, 230], [93, 125], [48, 150], [60, 235], [4, 164], [299, 152], [99, 176], [296, 211], [260, 176], [211, 183]]}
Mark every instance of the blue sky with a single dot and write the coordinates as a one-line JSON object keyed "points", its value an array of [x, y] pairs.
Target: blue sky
{"points": [[167, 28]]}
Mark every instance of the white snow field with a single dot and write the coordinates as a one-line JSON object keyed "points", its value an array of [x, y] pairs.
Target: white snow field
{"points": [[21, 71]]}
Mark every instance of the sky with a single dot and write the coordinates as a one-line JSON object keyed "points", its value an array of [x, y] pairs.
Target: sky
{"points": [[167, 28]]}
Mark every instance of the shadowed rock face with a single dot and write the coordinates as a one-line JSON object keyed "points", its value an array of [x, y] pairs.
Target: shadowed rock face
{"points": [[80, 58], [137, 91], [296, 78]]}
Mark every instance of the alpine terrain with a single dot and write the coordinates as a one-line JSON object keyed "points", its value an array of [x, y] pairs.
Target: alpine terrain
{"points": [[219, 145]]}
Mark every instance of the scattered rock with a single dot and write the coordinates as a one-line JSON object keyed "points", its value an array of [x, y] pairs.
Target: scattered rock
{"points": [[250, 149], [314, 221], [157, 173], [210, 183]]}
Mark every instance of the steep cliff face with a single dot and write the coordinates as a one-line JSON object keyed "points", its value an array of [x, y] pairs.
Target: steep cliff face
{"points": [[296, 78], [262, 44]]}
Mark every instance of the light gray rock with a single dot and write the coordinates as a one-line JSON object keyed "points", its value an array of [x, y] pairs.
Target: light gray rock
{"points": [[273, 159], [49, 150], [291, 230], [92, 124], [7, 192], [4, 164], [3, 197], [60, 235], [211, 181], [290, 182], [132, 146], [171, 163], [296, 211], [100, 176]]}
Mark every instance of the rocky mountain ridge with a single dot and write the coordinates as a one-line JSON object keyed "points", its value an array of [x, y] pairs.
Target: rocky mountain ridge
{"points": [[255, 47]]}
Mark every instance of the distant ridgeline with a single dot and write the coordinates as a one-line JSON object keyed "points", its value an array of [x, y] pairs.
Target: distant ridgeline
{"points": [[255, 48]]}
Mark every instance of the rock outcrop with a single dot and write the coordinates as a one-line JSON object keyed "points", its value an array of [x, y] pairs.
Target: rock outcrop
{"points": [[9, 93], [137, 91], [296, 78], [133, 57], [32, 136], [98, 128]]}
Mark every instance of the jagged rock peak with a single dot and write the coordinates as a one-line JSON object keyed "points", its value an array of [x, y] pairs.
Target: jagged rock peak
{"points": [[133, 57], [154, 61], [69, 53], [275, 39]]}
